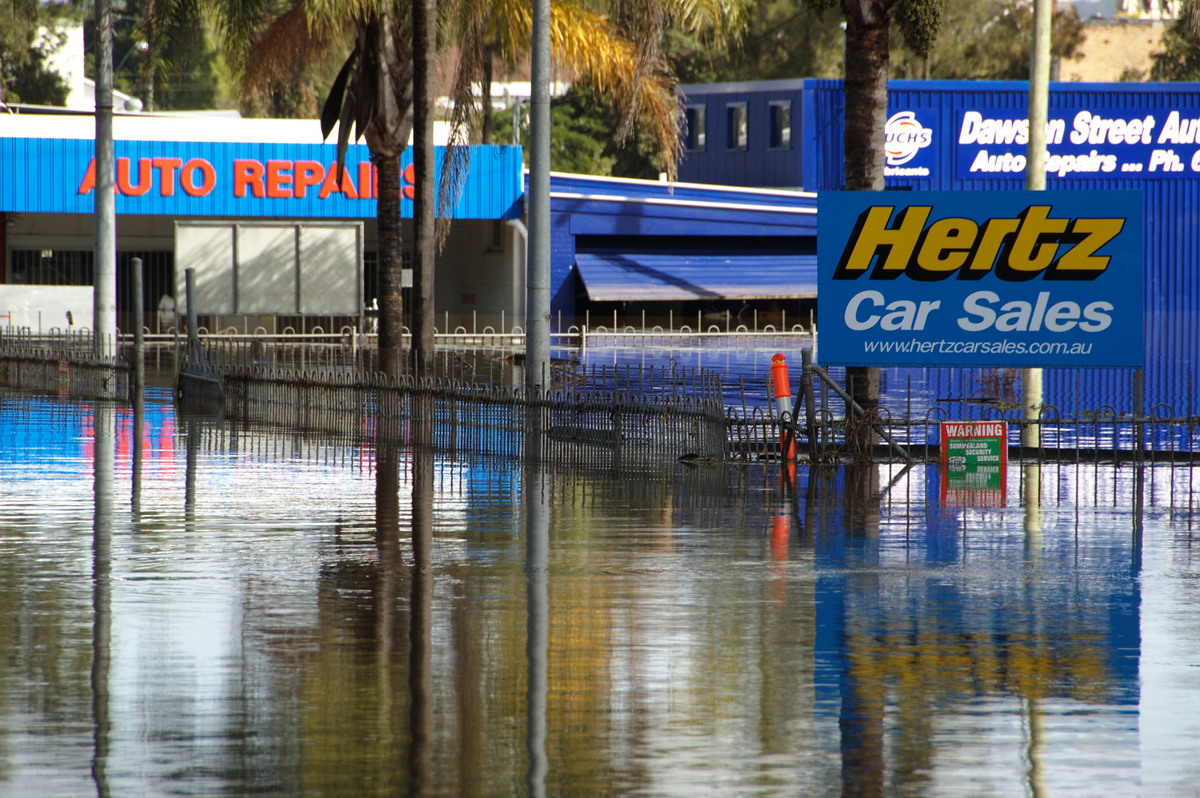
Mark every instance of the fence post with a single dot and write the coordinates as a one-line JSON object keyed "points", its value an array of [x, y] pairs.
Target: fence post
{"points": [[1139, 412], [810, 404], [139, 338]]}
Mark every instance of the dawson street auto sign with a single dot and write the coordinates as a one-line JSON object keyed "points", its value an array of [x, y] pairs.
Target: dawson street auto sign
{"points": [[1031, 279]]}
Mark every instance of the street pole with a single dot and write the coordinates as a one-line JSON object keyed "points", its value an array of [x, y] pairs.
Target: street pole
{"points": [[1035, 180], [104, 293], [537, 290]]}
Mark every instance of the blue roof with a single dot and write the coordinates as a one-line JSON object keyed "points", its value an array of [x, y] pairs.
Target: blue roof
{"points": [[635, 277]]}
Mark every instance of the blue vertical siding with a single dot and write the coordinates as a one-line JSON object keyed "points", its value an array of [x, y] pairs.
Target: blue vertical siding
{"points": [[45, 175], [758, 164], [1172, 218]]}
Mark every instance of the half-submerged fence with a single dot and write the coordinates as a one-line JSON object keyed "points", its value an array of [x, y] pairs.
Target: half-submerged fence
{"points": [[476, 402], [566, 425], [65, 364]]}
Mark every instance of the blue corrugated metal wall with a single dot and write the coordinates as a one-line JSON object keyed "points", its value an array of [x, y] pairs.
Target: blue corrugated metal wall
{"points": [[758, 164], [169, 178], [1172, 226]]}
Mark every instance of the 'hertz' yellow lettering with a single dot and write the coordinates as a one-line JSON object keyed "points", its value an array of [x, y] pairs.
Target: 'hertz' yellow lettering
{"points": [[887, 244]]}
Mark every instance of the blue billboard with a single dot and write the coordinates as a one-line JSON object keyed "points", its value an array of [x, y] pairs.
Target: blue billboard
{"points": [[996, 278], [1148, 143], [238, 179]]}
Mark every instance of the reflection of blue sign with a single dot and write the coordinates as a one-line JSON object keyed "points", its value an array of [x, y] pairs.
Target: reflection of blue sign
{"points": [[981, 278], [1082, 143]]}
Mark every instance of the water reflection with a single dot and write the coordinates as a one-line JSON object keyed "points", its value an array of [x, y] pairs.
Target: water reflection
{"points": [[281, 614], [537, 630], [104, 429]]}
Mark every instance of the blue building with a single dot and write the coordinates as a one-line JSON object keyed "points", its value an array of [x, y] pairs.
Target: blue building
{"points": [[641, 248], [634, 246], [971, 136]]}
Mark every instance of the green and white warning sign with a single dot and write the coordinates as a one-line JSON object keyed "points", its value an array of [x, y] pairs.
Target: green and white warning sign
{"points": [[974, 461]]}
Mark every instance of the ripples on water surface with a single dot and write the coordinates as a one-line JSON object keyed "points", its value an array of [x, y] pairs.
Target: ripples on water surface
{"points": [[259, 621]]}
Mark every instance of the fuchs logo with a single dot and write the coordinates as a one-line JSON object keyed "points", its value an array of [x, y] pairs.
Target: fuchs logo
{"points": [[905, 137]]}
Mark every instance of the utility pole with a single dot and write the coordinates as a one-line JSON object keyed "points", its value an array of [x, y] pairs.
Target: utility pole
{"points": [[537, 290], [1035, 180], [104, 294]]}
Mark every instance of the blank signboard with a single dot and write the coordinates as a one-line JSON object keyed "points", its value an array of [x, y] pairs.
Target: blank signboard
{"points": [[330, 280], [264, 268]]}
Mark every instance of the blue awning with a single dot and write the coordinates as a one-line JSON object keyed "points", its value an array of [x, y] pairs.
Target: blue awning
{"points": [[637, 277]]}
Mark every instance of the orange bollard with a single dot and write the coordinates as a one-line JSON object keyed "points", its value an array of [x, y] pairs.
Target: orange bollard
{"points": [[783, 403]]}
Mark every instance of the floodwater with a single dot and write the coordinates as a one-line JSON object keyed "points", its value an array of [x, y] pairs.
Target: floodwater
{"points": [[190, 607]]}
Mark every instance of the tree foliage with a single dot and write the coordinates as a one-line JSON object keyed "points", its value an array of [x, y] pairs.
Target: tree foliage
{"points": [[782, 39], [986, 40], [582, 140], [162, 54], [24, 49], [1179, 56]]}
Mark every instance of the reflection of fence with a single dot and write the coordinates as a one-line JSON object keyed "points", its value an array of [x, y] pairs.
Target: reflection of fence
{"points": [[477, 403], [573, 425], [62, 364]]}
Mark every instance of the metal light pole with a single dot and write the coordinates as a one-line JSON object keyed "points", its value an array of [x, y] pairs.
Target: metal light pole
{"points": [[1035, 180], [104, 294], [537, 286]]}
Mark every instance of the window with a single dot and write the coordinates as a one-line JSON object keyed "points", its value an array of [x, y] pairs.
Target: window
{"points": [[694, 135], [739, 136], [781, 124]]}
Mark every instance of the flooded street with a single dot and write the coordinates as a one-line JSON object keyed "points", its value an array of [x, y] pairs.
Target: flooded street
{"points": [[224, 609]]}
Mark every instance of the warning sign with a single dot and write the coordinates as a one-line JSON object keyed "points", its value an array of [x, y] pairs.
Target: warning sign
{"points": [[974, 462]]}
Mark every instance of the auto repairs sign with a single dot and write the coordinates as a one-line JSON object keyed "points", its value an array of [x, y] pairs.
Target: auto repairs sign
{"points": [[974, 278]]}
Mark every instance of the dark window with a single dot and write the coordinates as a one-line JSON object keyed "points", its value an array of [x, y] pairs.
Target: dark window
{"points": [[781, 124], [739, 135], [51, 267], [694, 135]]}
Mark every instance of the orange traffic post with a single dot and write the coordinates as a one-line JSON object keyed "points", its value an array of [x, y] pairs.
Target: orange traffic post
{"points": [[782, 389]]}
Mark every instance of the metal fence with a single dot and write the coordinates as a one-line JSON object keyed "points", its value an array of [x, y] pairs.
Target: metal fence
{"points": [[476, 402], [65, 364]]}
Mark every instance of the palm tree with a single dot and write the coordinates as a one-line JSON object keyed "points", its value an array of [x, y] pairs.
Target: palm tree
{"points": [[616, 46], [373, 94], [867, 60]]}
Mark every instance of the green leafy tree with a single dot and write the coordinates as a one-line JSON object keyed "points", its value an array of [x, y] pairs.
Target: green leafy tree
{"points": [[162, 54], [619, 49], [986, 40], [581, 141], [1179, 58], [782, 39], [24, 49], [372, 96]]}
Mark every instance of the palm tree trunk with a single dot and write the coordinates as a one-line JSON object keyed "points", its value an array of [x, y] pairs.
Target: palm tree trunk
{"points": [[488, 126], [866, 93], [866, 96], [424, 40], [391, 264]]}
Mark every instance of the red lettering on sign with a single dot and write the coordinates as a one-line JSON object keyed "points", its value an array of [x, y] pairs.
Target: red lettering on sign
{"points": [[248, 175], [89, 179], [197, 177], [166, 174], [308, 173], [409, 176], [332, 185], [198, 168], [279, 179], [144, 182], [368, 188]]}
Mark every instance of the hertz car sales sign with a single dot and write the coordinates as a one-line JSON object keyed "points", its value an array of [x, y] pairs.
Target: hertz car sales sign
{"points": [[980, 278]]}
